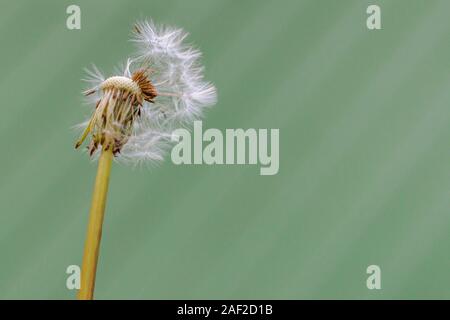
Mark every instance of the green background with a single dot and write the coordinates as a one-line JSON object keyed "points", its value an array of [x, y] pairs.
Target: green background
{"points": [[364, 119]]}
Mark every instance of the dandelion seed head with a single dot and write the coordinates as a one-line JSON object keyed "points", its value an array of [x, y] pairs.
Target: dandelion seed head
{"points": [[158, 90]]}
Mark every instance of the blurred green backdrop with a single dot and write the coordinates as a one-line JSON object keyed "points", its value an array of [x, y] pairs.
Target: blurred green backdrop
{"points": [[364, 119]]}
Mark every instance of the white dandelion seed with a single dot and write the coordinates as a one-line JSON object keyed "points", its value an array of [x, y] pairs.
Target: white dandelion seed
{"points": [[160, 88]]}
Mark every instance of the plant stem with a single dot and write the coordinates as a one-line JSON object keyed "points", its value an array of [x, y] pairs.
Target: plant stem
{"points": [[94, 230]]}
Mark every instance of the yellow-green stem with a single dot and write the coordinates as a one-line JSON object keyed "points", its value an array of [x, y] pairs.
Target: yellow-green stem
{"points": [[94, 230]]}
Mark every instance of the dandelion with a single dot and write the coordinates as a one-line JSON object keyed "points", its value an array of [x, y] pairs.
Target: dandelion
{"points": [[136, 110]]}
